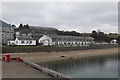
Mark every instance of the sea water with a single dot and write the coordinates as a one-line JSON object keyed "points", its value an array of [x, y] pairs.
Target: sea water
{"points": [[93, 67]]}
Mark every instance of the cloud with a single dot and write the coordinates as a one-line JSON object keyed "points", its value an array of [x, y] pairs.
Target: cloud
{"points": [[81, 16]]}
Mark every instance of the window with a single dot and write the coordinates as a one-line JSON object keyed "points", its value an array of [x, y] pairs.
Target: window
{"points": [[54, 39], [16, 42], [10, 34], [27, 42], [22, 42], [30, 42]]}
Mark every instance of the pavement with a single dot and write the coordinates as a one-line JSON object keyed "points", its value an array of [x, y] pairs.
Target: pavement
{"points": [[15, 69], [0, 69]]}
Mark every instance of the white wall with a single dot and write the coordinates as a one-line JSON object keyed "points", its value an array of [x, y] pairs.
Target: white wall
{"points": [[61, 42], [71, 43], [45, 40], [11, 43], [26, 42], [113, 42]]}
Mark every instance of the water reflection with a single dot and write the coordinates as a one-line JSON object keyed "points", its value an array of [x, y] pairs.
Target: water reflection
{"points": [[95, 67]]}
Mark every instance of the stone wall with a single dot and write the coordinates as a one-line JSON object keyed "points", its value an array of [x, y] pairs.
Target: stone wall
{"points": [[53, 49]]}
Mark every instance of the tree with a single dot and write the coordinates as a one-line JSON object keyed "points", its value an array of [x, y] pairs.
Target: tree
{"points": [[118, 39], [13, 25], [94, 34], [100, 36], [20, 26], [107, 39], [26, 26], [68, 33]]}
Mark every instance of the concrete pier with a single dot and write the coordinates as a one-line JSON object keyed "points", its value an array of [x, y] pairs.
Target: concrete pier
{"points": [[15, 69], [0, 69]]}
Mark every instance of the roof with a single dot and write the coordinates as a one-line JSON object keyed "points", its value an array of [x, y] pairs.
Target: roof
{"points": [[45, 28], [37, 31], [25, 31], [114, 40], [70, 37], [25, 38], [4, 24]]}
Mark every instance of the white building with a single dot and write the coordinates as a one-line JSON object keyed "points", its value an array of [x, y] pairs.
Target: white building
{"points": [[60, 40], [24, 41], [113, 41], [11, 42]]}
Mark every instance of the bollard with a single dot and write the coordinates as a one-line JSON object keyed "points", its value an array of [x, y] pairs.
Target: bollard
{"points": [[3, 58], [7, 57], [18, 59]]}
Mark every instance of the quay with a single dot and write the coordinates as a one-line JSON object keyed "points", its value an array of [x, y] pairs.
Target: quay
{"points": [[26, 69], [15, 69]]}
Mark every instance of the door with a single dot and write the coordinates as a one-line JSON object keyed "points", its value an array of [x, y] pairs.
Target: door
{"points": [[46, 43]]}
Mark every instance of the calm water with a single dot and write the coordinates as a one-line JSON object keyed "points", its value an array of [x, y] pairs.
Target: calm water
{"points": [[95, 67]]}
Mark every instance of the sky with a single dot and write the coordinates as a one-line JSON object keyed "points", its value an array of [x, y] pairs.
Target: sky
{"points": [[68, 16]]}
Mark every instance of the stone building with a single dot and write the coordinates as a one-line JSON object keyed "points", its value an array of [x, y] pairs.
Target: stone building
{"points": [[6, 32]]}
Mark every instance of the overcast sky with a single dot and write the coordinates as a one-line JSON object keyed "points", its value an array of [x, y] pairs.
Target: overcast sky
{"points": [[80, 16]]}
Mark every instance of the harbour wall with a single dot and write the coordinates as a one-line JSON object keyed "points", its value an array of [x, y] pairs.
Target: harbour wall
{"points": [[53, 48]]}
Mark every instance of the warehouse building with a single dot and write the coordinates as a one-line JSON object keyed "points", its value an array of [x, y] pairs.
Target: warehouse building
{"points": [[60, 40]]}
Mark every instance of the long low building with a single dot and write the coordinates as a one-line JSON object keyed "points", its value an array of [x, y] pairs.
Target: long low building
{"points": [[23, 41], [60, 40]]}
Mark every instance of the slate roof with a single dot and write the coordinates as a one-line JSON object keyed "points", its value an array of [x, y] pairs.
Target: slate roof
{"points": [[69, 37], [44, 28], [37, 31], [4, 24]]}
